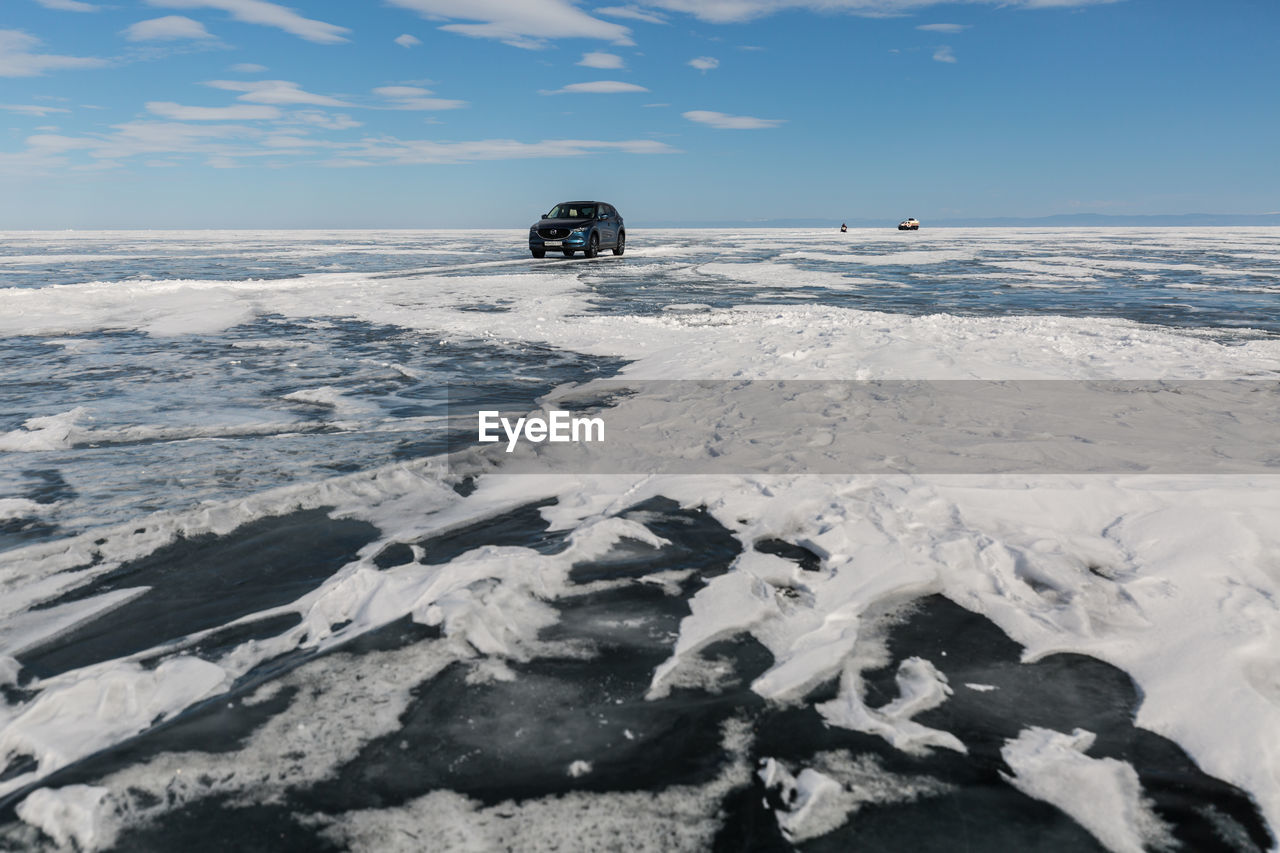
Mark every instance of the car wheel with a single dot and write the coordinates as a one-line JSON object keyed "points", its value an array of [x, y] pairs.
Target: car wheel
{"points": [[622, 243], [568, 253], [539, 253], [593, 247]]}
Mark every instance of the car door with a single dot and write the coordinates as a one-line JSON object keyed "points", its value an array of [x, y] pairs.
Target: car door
{"points": [[608, 226]]}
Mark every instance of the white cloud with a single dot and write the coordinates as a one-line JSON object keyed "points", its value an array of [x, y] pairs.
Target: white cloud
{"points": [[57, 144], [229, 145], [725, 11], [266, 14], [597, 87], [944, 54], [68, 5], [704, 63], [420, 152], [132, 139], [601, 60], [319, 118], [166, 29], [17, 59], [723, 121], [286, 92], [32, 109], [520, 23], [291, 140], [237, 112], [632, 13], [415, 98], [943, 28], [247, 68], [407, 40], [402, 91], [275, 92]]}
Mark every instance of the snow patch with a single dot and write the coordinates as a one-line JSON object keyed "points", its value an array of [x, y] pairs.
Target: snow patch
{"points": [[1101, 794], [920, 688], [67, 815], [825, 796]]}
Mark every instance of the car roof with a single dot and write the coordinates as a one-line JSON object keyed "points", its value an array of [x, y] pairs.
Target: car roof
{"points": [[583, 201]]}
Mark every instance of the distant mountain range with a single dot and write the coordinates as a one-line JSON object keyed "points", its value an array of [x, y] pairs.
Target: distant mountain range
{"points": [[1061, 220]]}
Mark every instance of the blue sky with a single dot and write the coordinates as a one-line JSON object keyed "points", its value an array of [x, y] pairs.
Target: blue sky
{"points": [[434, 113]]}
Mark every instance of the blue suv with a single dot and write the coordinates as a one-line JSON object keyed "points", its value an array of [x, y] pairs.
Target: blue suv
{"points": [[571, 226]]}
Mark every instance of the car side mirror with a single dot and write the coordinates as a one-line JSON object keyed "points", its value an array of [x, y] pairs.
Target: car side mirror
{"points": [[604, 216]]}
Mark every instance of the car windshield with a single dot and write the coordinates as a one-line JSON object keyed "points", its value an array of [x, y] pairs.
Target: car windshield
{"points": [[572, 211]]}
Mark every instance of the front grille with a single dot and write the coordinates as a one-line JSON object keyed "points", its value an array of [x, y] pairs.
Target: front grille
{"points": [[552, 233]]}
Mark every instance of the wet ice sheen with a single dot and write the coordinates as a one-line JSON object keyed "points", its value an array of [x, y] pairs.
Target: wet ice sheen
{"points": [[168, 397]]}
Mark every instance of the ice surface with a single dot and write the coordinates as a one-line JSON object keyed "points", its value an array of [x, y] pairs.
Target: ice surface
{"points": [[678, 818], [776, 275]]}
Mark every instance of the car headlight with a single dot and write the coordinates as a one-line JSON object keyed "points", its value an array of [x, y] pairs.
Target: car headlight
{"points": [[583, 230]]}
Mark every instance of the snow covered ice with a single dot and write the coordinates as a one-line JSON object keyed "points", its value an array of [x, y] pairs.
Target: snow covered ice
{"points": [[248, 600]]}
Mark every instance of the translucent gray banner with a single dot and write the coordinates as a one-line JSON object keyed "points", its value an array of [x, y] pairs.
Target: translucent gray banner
{"points": [[874, 427]]}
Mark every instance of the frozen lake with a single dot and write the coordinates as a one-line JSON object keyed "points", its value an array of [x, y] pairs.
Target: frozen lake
{"points": [[246, 599]]}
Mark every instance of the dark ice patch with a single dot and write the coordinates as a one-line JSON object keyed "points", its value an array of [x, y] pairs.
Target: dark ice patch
{"points": [[215, 824], [395, 554], [217, 644], [48, 486], [16, 766], [15, 532], [696, 540], [798, 554], [1061, 692], [499, 306], [205, 581], [979, 818], [43, 486], [523, 527], [496, 740], [399, 634]]}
